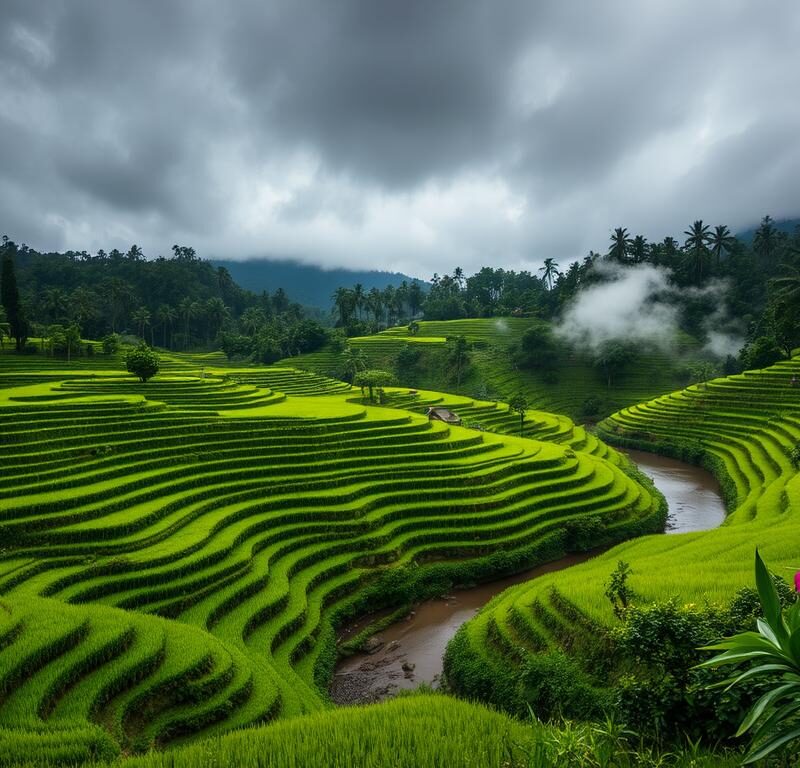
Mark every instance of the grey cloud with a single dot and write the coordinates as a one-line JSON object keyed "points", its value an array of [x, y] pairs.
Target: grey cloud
{"points": [[392, 92], [369, 133]]}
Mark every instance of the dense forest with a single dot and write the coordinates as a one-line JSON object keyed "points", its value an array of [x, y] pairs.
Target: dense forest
{"points": [[180, 302], [752, 284], [183, 301]]}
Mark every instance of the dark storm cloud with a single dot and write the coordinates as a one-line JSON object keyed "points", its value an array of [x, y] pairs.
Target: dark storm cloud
{"points": [[412, 135], [393, 92]]}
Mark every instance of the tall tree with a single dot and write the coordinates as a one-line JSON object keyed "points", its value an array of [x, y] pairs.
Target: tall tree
{"points": [[621, 244], [639, 249], [374, 303], [166, 316], [549, 273], [9, 296], [55, 305], [253, 319], [697, 239], [721, 241], [216, 314], [188, 310], [766, 239], [669, 251], [142, 319], [358, 299], [415, 297], [344, 301], [458, 357], [84, 306], [519, 405], [354, 361]]}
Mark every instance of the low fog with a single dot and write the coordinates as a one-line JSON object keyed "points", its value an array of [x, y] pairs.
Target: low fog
{"points": [[641, 305]]}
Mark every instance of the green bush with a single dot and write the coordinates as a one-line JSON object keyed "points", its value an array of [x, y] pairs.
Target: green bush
{"points": [[111, 343], [142, 362], [554, 686]]}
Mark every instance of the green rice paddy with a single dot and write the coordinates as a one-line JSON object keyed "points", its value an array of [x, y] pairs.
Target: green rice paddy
{"points": [[176, 555], [742, 427], [493, 371]]}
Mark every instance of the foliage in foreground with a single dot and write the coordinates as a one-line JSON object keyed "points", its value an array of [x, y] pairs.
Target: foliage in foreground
{"points": [[423, 731], [773, 653]]}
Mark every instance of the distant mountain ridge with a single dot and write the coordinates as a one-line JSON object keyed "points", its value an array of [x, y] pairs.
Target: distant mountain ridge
{"points": [[309, 285], [789, 226]]}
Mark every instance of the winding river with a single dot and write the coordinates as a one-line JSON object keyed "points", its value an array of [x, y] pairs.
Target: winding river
{"points": [[409, 652]]}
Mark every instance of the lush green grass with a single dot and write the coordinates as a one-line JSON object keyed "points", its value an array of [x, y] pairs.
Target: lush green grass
{"points": [[743, 428], [419, 731], [177, 554]]}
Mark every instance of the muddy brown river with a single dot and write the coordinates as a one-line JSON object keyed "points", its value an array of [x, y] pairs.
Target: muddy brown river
{"points": [[409, 652]]}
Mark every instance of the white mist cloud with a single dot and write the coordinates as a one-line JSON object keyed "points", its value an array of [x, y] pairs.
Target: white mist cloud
{"points": [[628, 306], [640, 304], [721, 344]]}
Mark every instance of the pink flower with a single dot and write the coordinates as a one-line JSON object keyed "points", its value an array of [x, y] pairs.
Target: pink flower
{"points": [[797, 582]]}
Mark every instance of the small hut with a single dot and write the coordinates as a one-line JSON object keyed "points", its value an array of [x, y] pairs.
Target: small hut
{"points": [[445, 415]]}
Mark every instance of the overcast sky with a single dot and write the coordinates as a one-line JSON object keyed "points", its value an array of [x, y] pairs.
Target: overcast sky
{"points": [[414, 134]]}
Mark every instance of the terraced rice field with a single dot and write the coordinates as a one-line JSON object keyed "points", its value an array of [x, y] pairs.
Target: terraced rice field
{"points": [[176, 555], [745, 427], [493, 369], [488, 330]]}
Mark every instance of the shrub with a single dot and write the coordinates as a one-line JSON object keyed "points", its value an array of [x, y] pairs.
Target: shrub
{"points": [[142, 362], [111, 343], [554, 685], [617, 589], [590, 408]]}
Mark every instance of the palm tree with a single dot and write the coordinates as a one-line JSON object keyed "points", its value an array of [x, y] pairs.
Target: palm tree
{"points": [[344, 301], [415, 297], [252, 320], [358, 299], [621, 244], [721, 240], [142, 319], [669, 250], [458, 276], [166, 316], [188, 310], [118, 294], [55, 304], [83, 305], [697, 239], [550, 270], [389, 302], [787, 286], [374, 303], [639, 249], [765, 240], [216, 314], [354, 361], [401, 298]]}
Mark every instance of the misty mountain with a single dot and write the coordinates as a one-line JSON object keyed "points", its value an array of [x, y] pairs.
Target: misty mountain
{"points": [[309, 285], [789, 226]]}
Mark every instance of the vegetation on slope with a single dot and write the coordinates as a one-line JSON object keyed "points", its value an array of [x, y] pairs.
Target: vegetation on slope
{"points": [[244, 525], [500, 364], [685, 589]]}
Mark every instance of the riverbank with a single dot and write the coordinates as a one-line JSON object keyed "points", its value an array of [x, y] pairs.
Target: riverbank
{"points": [[409, 652]]}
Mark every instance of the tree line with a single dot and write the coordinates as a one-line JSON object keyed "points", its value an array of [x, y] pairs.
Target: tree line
{"points": [[178, 302]]}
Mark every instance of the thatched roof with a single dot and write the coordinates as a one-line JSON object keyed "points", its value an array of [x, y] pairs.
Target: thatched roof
{"points": [[444, 414]]}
